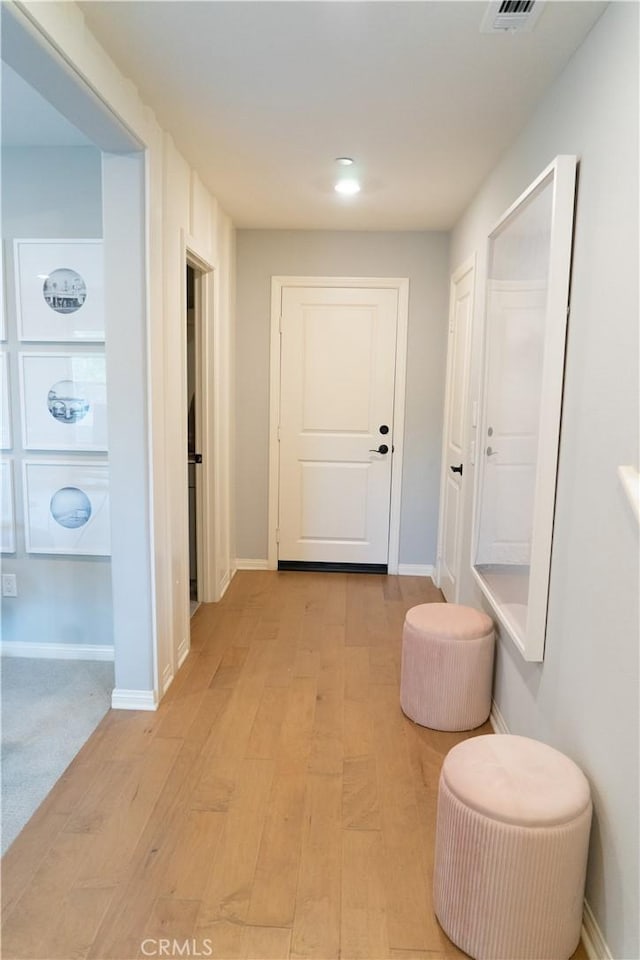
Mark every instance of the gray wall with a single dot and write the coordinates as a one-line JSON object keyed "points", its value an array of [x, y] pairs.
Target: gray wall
{"points": [[423, 258], [584, 698], [52, 192]]}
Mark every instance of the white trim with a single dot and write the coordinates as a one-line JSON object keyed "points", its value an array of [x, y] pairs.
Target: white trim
{"points": [[206, 319], [252, 564], [206, 423], [594, 943], [416, 570], [401, 284], [207, 414], [56, 651], [400, 389], [496, 719], [225, 583], [630, 480], [274, 410], [167, 678], [561, 173], [134, 700]]}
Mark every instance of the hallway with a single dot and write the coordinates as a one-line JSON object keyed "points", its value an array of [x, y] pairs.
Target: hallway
{"points": [[277, 804]]}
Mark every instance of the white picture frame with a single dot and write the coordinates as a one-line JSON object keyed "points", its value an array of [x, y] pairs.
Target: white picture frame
{"points": [[6, 439], [3, 315], [59, 290], [66, 507], [63, 399], [7, 508]]}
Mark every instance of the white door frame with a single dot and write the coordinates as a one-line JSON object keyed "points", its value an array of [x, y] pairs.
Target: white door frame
{"points": [[401, 284], [208, 428], [468, 266]]}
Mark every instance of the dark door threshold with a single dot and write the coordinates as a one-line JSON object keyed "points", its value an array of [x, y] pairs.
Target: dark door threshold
{"points": [[314, 567]]}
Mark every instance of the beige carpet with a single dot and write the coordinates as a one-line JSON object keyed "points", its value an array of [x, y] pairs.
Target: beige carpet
{"points": [[49, 709]]}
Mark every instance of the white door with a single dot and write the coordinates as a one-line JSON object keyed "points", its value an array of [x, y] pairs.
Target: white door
{"points": [[515, 313], [337, 373], [454, 441]]}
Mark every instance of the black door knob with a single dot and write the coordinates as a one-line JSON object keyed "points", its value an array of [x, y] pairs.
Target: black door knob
{"points": [[384, 428], [456, 469], [383, 448]]}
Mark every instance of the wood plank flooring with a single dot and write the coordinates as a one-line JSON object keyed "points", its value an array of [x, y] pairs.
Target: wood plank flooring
{"points": [[277, 805]]}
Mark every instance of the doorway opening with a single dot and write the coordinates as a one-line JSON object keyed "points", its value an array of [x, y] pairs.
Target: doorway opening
{"points": [[70, 170], [193, 333]]}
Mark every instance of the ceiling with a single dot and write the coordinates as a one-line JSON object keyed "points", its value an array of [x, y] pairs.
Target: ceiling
{"points": [[28, 120], [262, 96]]}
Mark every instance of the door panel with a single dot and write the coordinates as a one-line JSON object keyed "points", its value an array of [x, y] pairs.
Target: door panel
{"points": [[337, 383], [450, 537], [334, 501], [338, 348]]}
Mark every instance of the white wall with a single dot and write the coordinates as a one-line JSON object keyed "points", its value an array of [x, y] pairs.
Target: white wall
{"points": [[194, 222], [423, 257], [49, 192], [179, 214], [584, 698]]}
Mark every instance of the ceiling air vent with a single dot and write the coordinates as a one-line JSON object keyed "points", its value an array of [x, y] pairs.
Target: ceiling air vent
{"points": [[511, 15]]}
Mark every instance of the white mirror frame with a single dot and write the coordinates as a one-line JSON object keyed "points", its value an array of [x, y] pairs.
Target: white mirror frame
{"points": [[562, 173]]}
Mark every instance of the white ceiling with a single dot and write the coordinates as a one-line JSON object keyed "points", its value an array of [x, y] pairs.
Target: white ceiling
{"points": [[28, 120], [262, 96]]}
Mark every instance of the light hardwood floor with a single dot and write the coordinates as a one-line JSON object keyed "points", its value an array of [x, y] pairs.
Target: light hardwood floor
{"points": [[277, 805]]}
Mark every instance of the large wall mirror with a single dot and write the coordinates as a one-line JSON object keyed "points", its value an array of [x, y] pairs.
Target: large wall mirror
{"points": [[527, 289]]}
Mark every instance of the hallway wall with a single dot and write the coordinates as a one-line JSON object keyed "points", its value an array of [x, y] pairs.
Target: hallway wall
{"points": [[584, 698], [179, 213], [423, 258]]}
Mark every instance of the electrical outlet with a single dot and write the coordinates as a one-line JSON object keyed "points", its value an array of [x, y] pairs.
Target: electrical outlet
{"points": [[9, 585]]}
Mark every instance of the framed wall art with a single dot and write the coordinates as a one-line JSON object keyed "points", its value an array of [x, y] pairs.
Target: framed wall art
{"points": [[59, 290], [64, 401], [3, 317], [7, 508], [66, 507], [5, 406]]}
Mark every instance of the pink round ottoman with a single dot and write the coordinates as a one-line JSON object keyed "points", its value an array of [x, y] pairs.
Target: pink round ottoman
{"points": [[447, 666], [511, 849]]}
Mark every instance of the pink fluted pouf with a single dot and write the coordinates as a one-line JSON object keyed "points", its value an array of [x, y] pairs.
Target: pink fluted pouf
{"points": [[511, 849], [447, 666]]}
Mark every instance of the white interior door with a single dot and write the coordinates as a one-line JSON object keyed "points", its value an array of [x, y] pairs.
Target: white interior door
{"points": [[454, 442], [337, 374], [515, 312]]}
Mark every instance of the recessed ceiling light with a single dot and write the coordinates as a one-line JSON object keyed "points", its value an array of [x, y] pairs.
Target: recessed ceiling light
{"points": [[347, 187], [344, 161]]}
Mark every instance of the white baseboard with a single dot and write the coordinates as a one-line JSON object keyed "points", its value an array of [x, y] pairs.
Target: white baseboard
{"points": [[56, 651], [167, 679], [134, 700], [416, 570], [252, 564], [594, 943], [496, 719], [183, 653], [225, 583]]}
